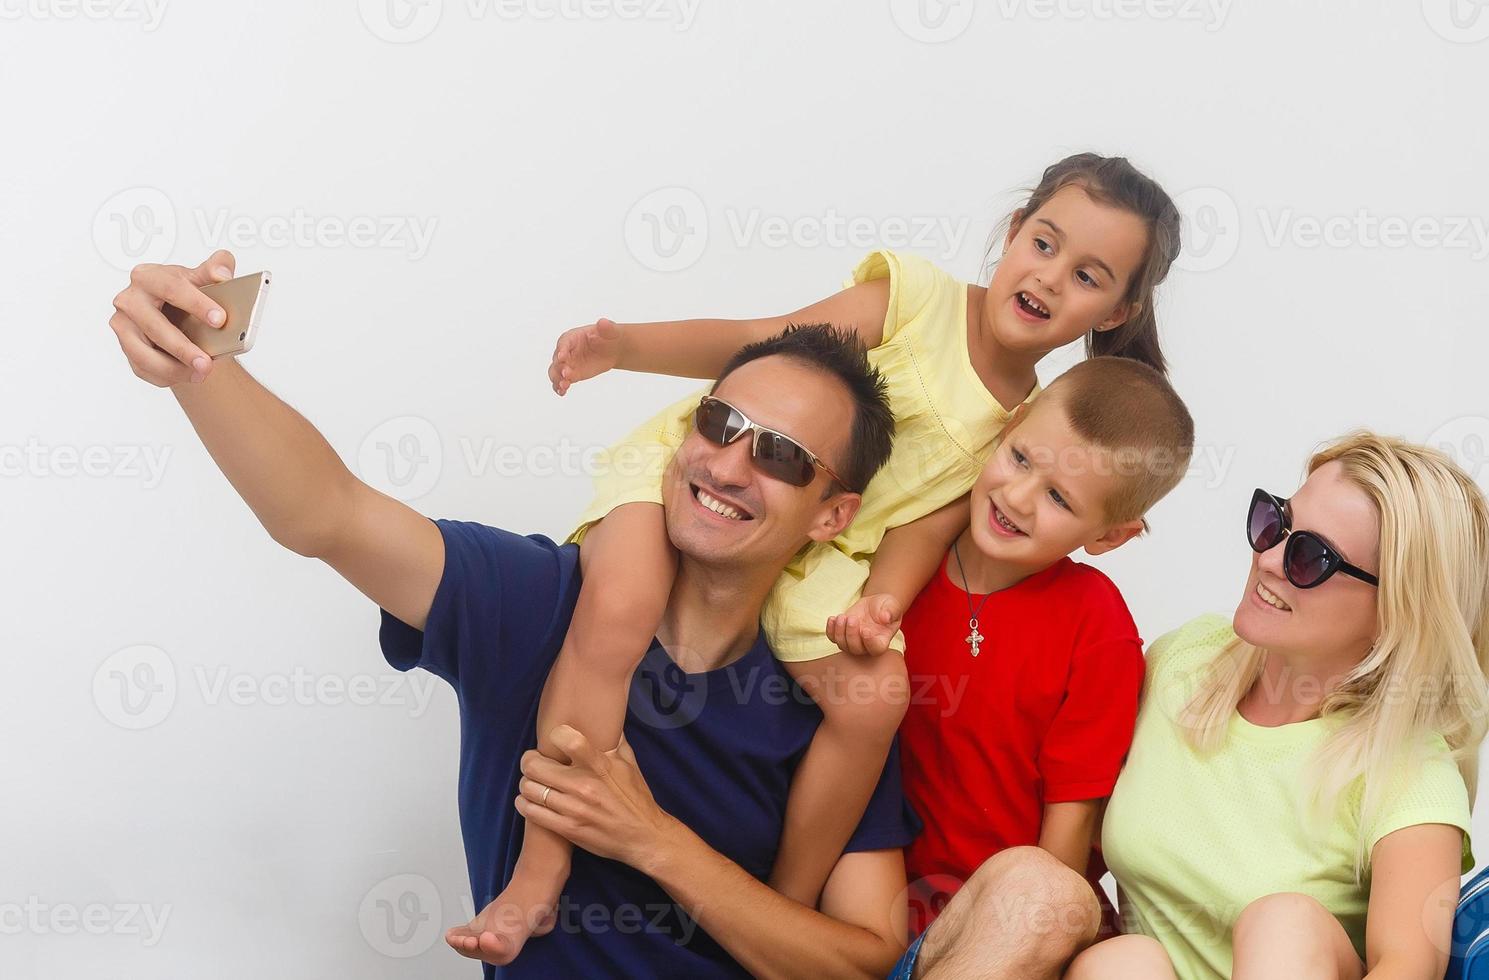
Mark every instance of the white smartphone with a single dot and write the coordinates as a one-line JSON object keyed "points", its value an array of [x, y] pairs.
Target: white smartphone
{"points": [[243, 301]]}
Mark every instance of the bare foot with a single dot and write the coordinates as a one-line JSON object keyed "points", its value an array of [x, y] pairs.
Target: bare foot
{"points": [[525, 908]]}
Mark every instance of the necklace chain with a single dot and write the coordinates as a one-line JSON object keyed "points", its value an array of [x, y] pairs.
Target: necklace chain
{"points": [[974, 637]]}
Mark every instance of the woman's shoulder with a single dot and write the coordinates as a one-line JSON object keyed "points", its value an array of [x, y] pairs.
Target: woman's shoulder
{"points": [[1195, 641], [1425, 762], [1420, 787]]}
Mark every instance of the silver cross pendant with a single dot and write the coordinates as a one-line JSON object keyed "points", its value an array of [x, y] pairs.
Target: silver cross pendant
{"points": [[975, 638]]}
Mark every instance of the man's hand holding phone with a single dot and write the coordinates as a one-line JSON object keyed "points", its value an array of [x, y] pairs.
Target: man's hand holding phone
{"points": [[159, 351], [293, 480]]}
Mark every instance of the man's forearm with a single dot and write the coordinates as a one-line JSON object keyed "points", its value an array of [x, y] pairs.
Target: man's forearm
{"points": [[280, 465], [769, 934]]}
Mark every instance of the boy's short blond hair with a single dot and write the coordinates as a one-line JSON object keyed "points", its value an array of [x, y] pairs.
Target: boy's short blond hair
{"points": [[1130, 410]]}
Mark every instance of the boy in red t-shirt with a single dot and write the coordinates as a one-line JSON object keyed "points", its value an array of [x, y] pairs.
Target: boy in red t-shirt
{"points": [[1025, 666]]}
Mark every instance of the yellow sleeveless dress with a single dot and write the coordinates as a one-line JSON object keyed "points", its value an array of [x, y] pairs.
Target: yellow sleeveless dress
{"points": [[946, 422]]}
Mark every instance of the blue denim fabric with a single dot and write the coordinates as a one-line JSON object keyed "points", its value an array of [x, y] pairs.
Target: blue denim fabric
{"points": [[906, 965]]}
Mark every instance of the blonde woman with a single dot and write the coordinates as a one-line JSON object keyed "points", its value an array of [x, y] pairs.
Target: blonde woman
{"points": [[1296, 801]]}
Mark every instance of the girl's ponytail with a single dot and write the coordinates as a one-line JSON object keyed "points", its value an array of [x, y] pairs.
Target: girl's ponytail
{"points": [[1137, 339]]}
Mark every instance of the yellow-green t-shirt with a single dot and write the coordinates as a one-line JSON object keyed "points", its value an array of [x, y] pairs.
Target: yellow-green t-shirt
{"points": [[1193, 838]]}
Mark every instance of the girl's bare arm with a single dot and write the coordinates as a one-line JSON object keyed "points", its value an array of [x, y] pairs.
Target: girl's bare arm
{"points": [[700, 348]]}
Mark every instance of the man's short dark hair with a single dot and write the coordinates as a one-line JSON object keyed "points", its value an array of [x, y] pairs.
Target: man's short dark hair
{"points": [[840, 353]]}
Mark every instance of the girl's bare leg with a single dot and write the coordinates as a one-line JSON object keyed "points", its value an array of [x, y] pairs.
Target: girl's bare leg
{"points": [[628, 566], [863, 700]]}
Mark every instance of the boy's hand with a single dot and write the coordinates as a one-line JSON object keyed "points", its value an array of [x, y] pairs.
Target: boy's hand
{"points": [[868, 625], [156, 348], [583, 353]]}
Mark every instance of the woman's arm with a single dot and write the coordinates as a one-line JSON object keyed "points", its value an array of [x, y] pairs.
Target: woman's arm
{"points": [[1413, 894], [1067, 831], [701, 348]]}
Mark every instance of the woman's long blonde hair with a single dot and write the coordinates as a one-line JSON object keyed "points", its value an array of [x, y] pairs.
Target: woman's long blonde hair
{"points": [[1426, 672]]}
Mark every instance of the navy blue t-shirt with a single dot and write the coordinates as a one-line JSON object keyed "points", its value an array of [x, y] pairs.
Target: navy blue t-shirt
{"points": [[717, 749]]}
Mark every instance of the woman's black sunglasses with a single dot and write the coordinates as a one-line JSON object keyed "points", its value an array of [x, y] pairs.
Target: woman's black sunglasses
{"points": [[775, 454], [1308, 560]]}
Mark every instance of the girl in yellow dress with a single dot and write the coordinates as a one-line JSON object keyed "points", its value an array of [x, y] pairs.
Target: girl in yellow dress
{"points": [[1081, 259]]}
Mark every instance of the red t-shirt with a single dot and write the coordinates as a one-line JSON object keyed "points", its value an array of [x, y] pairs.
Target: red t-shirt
{"points": [[1043, 714]]}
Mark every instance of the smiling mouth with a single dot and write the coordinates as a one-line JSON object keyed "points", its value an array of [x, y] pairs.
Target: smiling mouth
{"points": [[1001, 520], [1271, 598], [727, 511], [1032, 306]]}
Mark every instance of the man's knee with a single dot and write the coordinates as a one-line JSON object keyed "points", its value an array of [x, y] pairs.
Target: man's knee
{"points": [[1035, 873], [1034, 886], [1023, 894]]}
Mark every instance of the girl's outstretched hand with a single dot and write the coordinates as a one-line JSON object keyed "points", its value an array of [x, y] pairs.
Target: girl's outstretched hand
{"points": [[583, 353], [868, 625]]}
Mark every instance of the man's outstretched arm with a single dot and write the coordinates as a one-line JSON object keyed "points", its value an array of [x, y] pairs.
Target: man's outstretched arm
{"points": [[286, 472], [601, 802]]}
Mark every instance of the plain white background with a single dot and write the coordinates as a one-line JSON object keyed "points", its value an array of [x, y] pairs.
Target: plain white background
{"points": [[209, 768]]}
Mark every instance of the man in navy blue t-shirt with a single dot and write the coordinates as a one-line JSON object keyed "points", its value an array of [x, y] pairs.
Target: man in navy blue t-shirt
{"points": [[713, 723], [666, 885], [717, 746]]}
